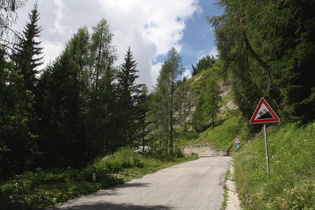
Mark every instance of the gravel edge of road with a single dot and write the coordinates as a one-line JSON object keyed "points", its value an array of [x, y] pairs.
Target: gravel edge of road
{"points": [[233, 201]]}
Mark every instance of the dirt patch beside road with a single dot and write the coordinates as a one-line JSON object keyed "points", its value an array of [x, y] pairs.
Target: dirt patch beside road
{"points": [[203, 151]]}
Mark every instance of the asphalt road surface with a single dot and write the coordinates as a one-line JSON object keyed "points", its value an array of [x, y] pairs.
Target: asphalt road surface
{"points": [[192, 185]]}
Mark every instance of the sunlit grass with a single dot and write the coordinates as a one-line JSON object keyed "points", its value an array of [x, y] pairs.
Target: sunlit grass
{"points": [[292, 169]]}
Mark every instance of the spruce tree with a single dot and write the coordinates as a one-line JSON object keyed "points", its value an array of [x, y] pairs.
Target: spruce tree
{"points": [[63, 104], [28, 53], [207, 106], [128, 98], [18, 143]]}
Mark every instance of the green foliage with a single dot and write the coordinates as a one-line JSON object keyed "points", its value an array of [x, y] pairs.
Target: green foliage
{"points": [[18, 143], [129, 96], [267, 48], [204, 63], [101, 114], [164, 97], [18, 118], [222, 136], [123, 158], [207, 105], [27, 54], [291, 154]]}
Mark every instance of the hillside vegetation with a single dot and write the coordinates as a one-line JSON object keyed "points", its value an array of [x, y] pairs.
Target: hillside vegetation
{"points": [[291, 154], [292, 169]]}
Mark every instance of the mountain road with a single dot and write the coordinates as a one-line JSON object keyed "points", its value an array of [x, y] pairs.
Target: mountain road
{"points": [[191, 185]]}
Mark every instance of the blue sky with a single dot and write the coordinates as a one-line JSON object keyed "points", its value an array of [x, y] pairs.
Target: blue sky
{"points": [[149, 27], [199, 39]]}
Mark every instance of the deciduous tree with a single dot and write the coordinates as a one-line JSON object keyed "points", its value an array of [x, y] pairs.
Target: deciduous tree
{"points": [[163, 107]]}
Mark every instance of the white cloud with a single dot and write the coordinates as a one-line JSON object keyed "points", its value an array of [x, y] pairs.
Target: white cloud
{"points": [[213, 52], [52, 50], [59, 12], [154, 74], [187, 73], [150, 27]]}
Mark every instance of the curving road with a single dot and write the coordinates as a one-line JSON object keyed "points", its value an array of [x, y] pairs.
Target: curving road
{"points": [[192, 185]]}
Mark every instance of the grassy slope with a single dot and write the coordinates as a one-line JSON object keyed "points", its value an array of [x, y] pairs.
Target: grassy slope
{"points": [[222, 136], [292, 168]]}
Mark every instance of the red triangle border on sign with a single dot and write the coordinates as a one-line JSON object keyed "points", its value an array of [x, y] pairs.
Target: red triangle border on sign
{"points": [[274, 118]]}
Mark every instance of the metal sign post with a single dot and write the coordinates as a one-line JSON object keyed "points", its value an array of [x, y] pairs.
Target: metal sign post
{"points": [[266, 146]]}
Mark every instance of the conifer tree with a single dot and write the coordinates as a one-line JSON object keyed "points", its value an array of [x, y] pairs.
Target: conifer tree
{"points": [[163, 106], [102, 105], [63, 93], [18, 143], [28, 53], [128, 98], [207, 106]]}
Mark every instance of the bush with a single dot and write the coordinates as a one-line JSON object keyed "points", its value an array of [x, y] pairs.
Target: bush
{"points": [[123, 158]]}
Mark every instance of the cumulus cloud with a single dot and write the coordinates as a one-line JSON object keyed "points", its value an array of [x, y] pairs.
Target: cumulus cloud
{"points": [[52, 50], [213, 52], [150, 27], [59, 12]]}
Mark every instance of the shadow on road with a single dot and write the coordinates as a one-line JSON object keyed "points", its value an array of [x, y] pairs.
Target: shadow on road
{"points": [[113, 190], [102, 206]]}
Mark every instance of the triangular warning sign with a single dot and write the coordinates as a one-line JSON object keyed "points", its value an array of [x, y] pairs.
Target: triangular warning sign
{"points": [[264, 113]]}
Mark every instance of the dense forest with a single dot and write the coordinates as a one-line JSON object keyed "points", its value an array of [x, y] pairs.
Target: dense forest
{"points": [[82, 106], [79, 107]]}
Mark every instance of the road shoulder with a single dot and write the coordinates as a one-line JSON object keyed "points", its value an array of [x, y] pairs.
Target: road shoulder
{"points": [[233, 202]]}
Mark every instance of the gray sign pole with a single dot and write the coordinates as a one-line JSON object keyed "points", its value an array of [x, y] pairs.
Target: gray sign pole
{"points": [[266, 146]]}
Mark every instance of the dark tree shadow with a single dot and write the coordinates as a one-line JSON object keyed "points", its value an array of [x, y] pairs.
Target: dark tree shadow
{"points": [[108, 206]]}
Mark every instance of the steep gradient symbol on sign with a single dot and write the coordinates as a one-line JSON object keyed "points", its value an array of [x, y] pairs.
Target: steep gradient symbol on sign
{"points": [[264, 113]]}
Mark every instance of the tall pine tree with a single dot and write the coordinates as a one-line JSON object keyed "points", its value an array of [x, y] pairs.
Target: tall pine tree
{"points": [[128, 98], [28, 53]]}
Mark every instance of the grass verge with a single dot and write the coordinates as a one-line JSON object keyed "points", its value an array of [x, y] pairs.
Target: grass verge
{"points": [[225, 194], [41, 188], [292, 169]]}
